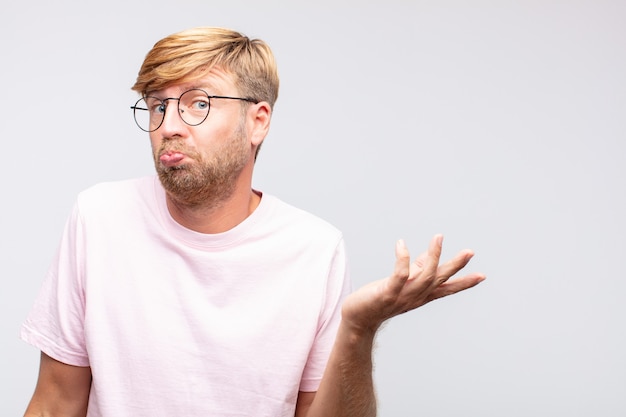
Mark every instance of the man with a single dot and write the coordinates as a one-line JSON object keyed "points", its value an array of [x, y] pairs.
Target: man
{"points": [[192, 294]]}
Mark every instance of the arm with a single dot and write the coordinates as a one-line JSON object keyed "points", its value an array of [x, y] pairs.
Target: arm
{"points": [[61, 390], [347, 388]]}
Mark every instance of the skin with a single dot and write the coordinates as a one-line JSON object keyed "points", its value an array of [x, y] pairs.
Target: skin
{"points": [[347, 387], [61, 390], [218, 210]]}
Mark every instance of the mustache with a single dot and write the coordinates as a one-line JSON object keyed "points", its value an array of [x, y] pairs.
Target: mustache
{"points": [[171, 146]]}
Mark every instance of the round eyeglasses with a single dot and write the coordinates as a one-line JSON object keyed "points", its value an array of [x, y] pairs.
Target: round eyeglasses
{"points": [[193, 108]]}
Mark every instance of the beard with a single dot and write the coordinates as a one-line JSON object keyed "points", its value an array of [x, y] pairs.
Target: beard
{"points": [[210, 179]]}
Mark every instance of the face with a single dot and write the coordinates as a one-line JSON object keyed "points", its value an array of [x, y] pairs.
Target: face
{"points": [[201, 165]]}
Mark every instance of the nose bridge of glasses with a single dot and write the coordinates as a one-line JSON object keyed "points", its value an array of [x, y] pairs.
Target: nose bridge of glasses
{"points": [[165, 100], [166, 105], [166, 119]]}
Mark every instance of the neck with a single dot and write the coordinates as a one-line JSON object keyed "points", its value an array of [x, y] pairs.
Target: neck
{"points": [[214, 217]]}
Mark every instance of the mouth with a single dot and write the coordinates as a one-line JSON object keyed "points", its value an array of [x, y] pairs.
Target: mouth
{"points": [[171, 159]]}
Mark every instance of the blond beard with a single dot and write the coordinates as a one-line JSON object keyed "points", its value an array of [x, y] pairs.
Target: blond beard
{"points": [[209, 180]]}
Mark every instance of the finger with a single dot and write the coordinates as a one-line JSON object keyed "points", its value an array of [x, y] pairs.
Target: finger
{"points": [[401, 268], [431, 262], [454, 265], [418, 265], [457, 285]]}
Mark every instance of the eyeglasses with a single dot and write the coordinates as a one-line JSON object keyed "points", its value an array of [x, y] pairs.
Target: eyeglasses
{"points": [[193, 108]]}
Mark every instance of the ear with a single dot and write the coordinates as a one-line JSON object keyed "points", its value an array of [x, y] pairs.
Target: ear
{"points": [[259, 116]]}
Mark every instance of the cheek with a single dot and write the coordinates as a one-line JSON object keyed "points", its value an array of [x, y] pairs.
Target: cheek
{"points": [[211, 138], [155, 142]]}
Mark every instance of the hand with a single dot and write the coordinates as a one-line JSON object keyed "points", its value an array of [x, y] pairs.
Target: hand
{"points": [[410, 286]]}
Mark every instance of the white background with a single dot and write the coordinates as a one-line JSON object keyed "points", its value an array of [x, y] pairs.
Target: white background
{"points": [[498, 123]]}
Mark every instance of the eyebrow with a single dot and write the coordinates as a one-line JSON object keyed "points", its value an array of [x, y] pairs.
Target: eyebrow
{"points": [[204, 87]]}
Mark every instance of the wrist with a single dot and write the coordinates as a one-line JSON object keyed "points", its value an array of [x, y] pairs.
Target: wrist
{"points": [[357, 336]]}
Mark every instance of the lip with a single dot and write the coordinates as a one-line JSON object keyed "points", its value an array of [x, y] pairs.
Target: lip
{"points": [[171, 158]]}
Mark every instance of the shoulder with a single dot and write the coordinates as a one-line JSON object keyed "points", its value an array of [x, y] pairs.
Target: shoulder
{"points": [[296, 220], [116, 188], [113, 193], [117, 198]]}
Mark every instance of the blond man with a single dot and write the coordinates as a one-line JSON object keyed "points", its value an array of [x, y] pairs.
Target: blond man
{"points": [[190, 293]]}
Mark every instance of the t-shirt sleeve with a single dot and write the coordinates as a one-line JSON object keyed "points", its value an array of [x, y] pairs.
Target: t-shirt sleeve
{"points": [[338, 287], [55, 323]]}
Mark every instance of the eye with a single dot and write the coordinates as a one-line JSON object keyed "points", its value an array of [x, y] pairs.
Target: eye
{"points": [[155, 106], [200, 103]]}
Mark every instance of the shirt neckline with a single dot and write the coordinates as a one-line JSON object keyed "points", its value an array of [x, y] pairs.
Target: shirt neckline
{"points": [[209, 240]]}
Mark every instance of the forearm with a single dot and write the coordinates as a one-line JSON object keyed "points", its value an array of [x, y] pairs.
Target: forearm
{"points": [[347, 388]]}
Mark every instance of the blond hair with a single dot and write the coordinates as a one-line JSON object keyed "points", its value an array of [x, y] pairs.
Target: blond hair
{"points": [[187, 55]]}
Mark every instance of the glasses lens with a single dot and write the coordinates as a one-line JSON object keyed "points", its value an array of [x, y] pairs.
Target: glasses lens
{"points": [[148, 112], [194, 106], [141, 114]]}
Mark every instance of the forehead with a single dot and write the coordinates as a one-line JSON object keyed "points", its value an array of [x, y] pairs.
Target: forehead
{"points": [[214, 81]]}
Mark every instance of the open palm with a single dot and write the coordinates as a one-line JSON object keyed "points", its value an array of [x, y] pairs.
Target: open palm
{"points": [[411, 285]]}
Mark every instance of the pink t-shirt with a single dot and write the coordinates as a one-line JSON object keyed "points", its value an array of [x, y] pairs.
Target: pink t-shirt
{"points": [[177, 323]]}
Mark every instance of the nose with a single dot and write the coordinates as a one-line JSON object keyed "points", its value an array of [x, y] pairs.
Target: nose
{"points": [[173, 124]]}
